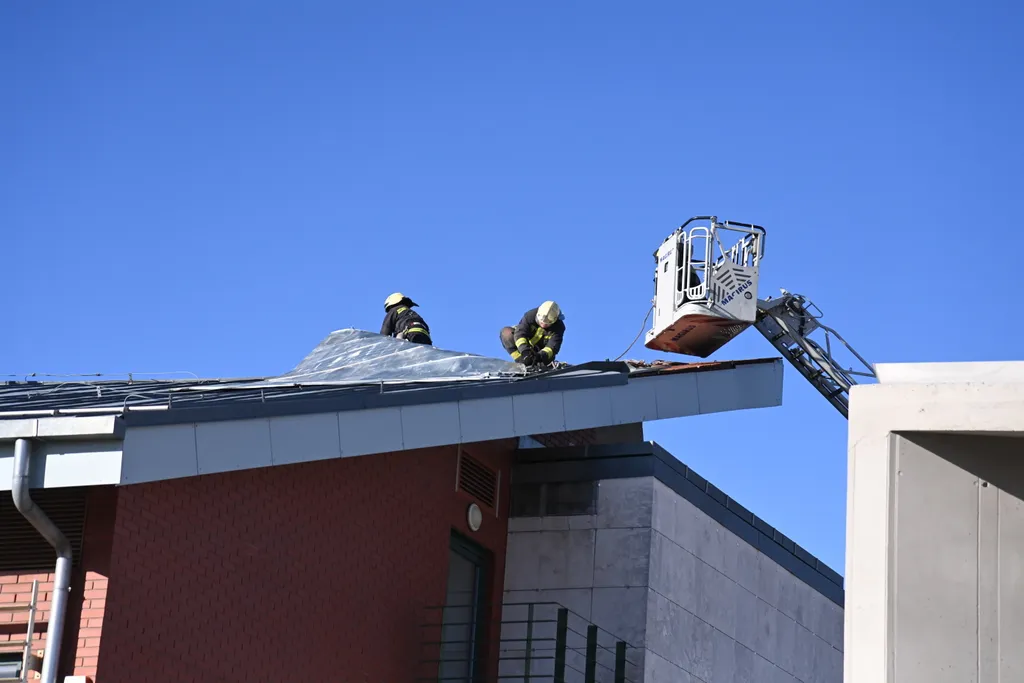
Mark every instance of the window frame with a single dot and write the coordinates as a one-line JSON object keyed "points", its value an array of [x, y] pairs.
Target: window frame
{"points": [[481, 560]]}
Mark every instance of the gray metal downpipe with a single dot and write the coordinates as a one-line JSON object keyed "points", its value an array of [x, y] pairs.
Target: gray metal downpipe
{"points": [[48, 530]]}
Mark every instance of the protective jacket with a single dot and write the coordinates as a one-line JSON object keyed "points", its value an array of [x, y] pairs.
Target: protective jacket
{"points": [[545, 342], [404, 323]]}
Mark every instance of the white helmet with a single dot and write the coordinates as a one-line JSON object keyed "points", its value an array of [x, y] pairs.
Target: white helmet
{"points": [[548, 314], [397, 298]]}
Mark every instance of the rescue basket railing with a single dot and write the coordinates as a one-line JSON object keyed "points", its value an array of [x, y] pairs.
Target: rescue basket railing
{"points": [[703, 253]]}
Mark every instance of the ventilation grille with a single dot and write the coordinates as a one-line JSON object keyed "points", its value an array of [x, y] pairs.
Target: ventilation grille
{"points": [[478, 480], [23, 548]]}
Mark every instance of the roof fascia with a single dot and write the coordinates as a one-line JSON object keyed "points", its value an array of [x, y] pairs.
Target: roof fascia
{"points": [[156, 452], [66, 462], [367, 400], [97, 427], [85, 451]]}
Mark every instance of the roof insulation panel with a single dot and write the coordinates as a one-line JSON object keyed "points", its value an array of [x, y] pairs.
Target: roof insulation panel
{"points": [[358, 357]]}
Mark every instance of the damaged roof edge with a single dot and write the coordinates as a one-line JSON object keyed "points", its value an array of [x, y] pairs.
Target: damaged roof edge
{"points": [[591, 376]]}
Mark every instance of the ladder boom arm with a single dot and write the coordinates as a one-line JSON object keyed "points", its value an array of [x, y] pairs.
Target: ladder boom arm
{"points": [[788, 323]]}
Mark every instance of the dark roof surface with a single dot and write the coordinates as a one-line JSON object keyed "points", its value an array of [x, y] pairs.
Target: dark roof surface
{"points": [[348, 370], [174, 401]]}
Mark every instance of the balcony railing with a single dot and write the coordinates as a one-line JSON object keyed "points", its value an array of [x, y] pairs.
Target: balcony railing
{"points": [[536, 642]]}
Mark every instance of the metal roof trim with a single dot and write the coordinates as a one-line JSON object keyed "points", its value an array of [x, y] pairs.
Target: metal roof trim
{"points": [[165, 402], [346, 401]]}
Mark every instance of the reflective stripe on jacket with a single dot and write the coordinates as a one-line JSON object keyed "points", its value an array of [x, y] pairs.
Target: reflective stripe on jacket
{"points": [[403, 320]]}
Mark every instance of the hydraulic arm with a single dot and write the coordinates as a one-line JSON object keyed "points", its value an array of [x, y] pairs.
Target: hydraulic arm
{"points": [[788, 323]]}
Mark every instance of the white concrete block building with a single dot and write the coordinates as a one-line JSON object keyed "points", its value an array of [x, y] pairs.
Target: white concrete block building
{"points": [[935, 525]]}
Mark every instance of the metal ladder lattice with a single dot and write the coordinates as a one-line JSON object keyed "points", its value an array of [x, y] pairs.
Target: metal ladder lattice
{"points": [[787, 323], [28, 660]]}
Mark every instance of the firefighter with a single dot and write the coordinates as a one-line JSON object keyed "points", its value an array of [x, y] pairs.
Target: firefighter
{"points": [[401, 322], [536, 340]]}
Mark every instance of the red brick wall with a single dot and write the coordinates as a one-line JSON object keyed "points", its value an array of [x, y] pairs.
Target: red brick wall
{"points": [[82, 638], [85, 601], [17, 589], [309, 572]]}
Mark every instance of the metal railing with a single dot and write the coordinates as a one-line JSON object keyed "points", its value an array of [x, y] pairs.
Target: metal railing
{"points": [[532, 642], [702, 254]]}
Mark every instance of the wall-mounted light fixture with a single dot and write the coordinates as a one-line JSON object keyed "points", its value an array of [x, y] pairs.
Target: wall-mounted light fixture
{"points": [[474, 517]]}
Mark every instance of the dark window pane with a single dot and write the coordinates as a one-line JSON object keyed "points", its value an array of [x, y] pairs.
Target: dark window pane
{"points": [[10, 663], [459, 629], [570, 498], [526, 500], [462, 628], [554, 499]]}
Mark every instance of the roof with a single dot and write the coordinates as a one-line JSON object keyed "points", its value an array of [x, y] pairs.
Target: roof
{"points": [[348, 370], [356, 394], [145, 402]]}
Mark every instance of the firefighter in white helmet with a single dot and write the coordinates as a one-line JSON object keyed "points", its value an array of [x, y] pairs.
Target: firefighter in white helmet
{"points": [[536, 340], [401, 322]]}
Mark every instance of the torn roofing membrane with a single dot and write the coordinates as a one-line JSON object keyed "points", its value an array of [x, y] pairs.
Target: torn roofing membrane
{"points": [[356, 356]]}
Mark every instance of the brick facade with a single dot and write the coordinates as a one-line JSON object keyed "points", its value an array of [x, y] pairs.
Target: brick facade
{"points": [[86, 601], [90, 582], [16, 588], [314, 571]]}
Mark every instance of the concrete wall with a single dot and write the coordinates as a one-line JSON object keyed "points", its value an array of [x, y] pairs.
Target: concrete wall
{"points": [[933, 555], [958, 566], [598, 565], [698, 602]]}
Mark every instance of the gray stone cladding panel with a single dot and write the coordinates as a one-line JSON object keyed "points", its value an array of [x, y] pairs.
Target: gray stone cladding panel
{"points": [[660, 670], [625, 503], [682, 523], [622, 612], [550, 559], [622, 557]]}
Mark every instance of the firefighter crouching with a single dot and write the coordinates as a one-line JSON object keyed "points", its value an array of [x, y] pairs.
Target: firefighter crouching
{"points": [[401, 322], [536, 340]]}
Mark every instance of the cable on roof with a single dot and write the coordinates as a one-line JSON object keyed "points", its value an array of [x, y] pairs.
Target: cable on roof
{"points": [[643, 326], [26, 375]]}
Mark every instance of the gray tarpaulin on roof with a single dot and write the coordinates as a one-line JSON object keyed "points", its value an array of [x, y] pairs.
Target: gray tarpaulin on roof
{"points": [[359, 356]]}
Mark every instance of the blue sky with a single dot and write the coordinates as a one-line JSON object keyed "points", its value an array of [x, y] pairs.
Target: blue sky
{"points": [[214, 187]]}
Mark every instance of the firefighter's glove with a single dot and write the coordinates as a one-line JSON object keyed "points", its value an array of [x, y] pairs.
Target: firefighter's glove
{"points": [[527, 358]]}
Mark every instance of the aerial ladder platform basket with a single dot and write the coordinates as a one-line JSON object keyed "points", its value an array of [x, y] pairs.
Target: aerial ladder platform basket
{"points": [[705, 285], [705, 293]]}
